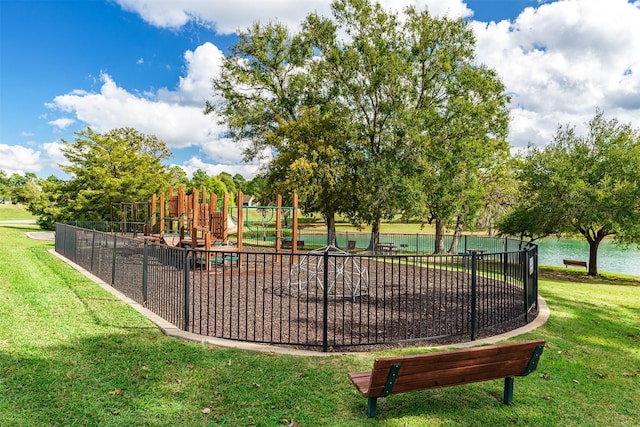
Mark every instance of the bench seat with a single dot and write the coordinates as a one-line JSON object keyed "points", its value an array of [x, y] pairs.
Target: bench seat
{"points": [[568, 262], [402, 374]]}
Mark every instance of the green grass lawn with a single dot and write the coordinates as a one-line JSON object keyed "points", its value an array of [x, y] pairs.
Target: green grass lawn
{"points": [[14, 212], [72, 354]]}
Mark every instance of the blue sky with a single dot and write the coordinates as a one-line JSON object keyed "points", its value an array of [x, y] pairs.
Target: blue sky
{"points": [[69, 64]]}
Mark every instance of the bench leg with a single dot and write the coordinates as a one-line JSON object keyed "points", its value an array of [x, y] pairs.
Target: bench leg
{"points": [[371, 407], [508, 390]]}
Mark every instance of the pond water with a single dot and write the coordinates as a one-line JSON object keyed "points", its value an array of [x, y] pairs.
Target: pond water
{"points": [[611, 257]]}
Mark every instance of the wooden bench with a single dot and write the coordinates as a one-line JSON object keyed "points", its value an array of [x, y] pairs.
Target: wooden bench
{"points": [[568, 262], [386, 248], [289, 244], [402, 374]]}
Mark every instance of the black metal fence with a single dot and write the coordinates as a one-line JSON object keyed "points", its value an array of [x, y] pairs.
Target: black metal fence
{"points": [[322, 299]]}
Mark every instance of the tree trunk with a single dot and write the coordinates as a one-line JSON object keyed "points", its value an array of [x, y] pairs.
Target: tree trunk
{"points": [[594, 238], [453, 249], [439, 242], [330, 220], [375, 233]]}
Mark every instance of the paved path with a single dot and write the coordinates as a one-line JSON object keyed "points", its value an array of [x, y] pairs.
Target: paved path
{"points": [[41, 235]]}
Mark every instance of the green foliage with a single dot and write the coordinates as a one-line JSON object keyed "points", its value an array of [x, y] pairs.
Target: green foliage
{"points": [[213, 184], [49, 206], [18, 188], [121, 165], [5, 184], [582, 184], [390, 107], [255, 186], [314, 164]]}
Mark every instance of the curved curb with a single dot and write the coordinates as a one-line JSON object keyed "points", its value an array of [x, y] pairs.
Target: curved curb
{"points": [[172, 330], [543, 315], [41, 235]]}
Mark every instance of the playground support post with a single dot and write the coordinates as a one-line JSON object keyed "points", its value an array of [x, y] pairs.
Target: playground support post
{"points": [[278, 226], [152, 216], [294, 229], [240, 223]]}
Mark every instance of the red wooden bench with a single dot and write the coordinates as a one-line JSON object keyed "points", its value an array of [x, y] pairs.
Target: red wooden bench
{"points": [[402, 374], [568, 262]]}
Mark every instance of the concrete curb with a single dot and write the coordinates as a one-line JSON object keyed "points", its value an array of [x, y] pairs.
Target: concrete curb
{"points": [[41, 235], [171, 330]]}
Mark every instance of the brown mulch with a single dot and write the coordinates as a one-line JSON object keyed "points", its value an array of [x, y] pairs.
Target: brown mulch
{"points": [[396, 303]]}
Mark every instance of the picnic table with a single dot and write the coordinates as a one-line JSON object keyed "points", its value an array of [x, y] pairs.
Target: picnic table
{"points": [[386, 248]]}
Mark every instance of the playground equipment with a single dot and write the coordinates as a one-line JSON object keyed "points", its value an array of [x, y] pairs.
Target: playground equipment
{"points": [[130, 216], [345, 276], [202, 221], [193, 220], [268, 226]]}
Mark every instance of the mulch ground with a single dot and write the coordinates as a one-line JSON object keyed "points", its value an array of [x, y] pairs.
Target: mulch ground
{"points": [[368, 304]]}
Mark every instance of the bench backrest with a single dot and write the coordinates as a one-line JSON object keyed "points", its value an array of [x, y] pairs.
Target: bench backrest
{"points": [[443, 369]]}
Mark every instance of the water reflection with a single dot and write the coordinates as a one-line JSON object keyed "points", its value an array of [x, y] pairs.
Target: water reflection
{"points": [[611, 257]]}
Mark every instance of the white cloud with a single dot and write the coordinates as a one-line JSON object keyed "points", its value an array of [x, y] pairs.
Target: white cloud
{"points": [[54, 154], [194, 163], [563, 60], [19, 159], [62, 123], [175, 116], [194, 88], [559, 62], [229, 16]]}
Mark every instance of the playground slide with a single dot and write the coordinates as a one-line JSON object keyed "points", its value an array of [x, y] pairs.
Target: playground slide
{"points": [[232, 225]]}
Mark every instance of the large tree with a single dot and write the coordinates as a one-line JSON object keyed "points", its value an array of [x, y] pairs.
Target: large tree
{"points": [[122, 165], [314, 164], [411, 115], [582, 184], [461, 116]]}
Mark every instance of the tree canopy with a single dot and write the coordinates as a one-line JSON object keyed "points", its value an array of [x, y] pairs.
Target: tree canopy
{"points": [[121, 165], [582, 184], [373, 112]]}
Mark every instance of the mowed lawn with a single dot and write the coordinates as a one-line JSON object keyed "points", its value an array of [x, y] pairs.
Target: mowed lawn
{"points": [[72, 354]]}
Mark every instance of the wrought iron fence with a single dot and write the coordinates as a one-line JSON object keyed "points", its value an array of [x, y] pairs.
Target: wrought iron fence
{"points": [[323, 299]]}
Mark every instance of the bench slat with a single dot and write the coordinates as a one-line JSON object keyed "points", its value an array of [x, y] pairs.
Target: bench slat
{"points": [[448, 377], [425, 371], [458, 366], [439, 362], [458, 356], [361, 380]]}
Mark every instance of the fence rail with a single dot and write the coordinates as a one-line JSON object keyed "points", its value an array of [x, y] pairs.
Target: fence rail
{"points": [[326, 300]]}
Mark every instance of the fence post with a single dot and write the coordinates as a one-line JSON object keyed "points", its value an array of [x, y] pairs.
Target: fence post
{"points": [[113, 262], [187, 254], [63, 240], [474, 296], [145, 273], [325, 304], [93, 246], [525, 282]]}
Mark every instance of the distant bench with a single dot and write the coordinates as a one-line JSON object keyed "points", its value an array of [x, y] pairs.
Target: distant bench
{"points": [[402, 374], [386, 248], [289, 244], [568, 262]]}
